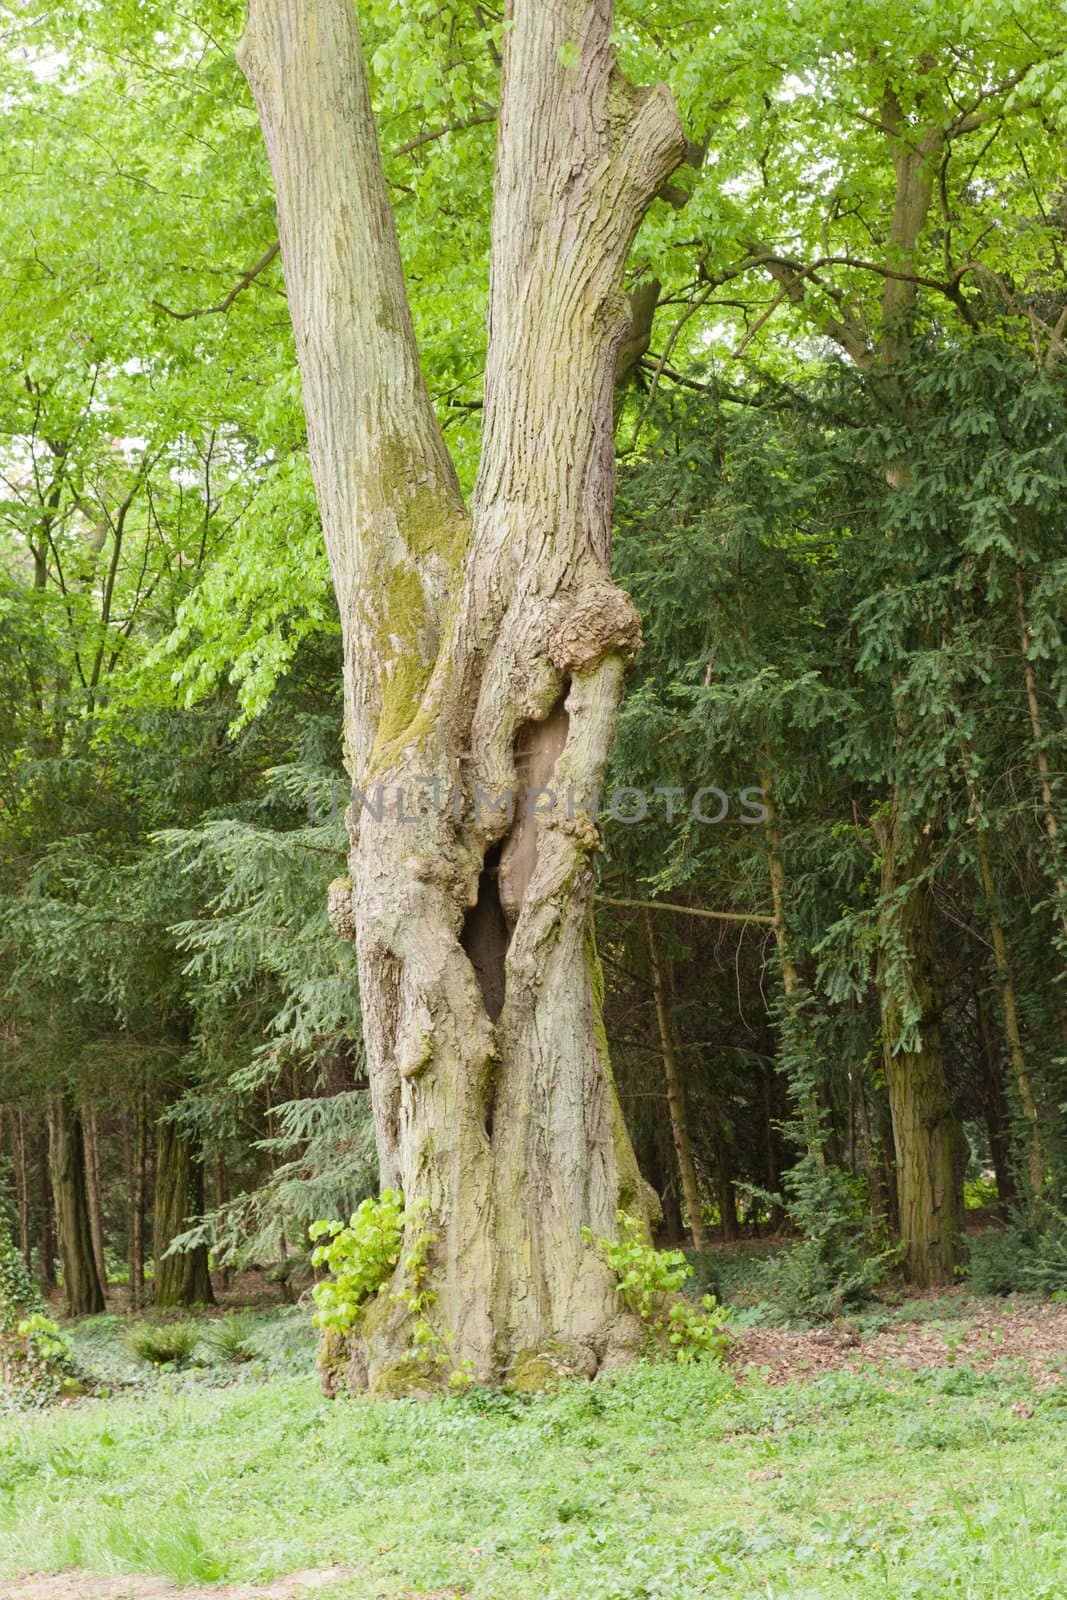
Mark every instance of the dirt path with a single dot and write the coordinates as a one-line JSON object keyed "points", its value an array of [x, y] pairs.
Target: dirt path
{"points": [[77, 1586], [1035, 1334]]}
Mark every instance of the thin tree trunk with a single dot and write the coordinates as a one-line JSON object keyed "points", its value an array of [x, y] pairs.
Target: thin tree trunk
{"points": [[483, 653], [995, 1105], [92, 1181], [724, 1186], [662, 1169], [47, 1250], [66, 1159], [792, 1043], [22, 1187], [137, 1193], [219, 1175], [180, 1280], [1035, 1158], [675, 1096], [772, 1148]]}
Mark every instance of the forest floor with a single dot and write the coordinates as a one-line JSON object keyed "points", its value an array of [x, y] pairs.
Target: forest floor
{"points": [[917, 1451], [946, 1330]]}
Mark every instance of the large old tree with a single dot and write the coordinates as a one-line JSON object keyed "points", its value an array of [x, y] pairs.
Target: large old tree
{"points": [[485, 649]]}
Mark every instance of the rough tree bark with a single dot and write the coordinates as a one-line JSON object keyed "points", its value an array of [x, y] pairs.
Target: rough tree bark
{"points": [[92, 1186], [927, 1135], [66, 1161], [484, 650]]}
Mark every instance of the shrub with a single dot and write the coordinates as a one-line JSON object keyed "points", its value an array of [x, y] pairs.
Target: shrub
{"points": [[360, 1256], [649, 1284], [995, 1261], [163, 1344], [50, 1342], [1047, 1270], [1028, 1256], [839, 1259], [35, 1358], [232, 1338], [980, 1194]]}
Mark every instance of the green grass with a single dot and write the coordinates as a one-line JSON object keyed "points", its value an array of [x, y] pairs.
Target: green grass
{"points": [[245, 1346], [662, 1483]]}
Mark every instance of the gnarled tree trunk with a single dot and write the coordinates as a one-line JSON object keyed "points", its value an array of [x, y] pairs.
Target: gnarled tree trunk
{"points": [[484, 653]]}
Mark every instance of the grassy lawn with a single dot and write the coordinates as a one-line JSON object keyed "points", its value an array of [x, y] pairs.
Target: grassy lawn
{"points": [[659, 1483]]}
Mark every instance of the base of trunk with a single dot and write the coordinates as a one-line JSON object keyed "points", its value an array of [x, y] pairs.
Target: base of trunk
{"points": [[394, 1353]]}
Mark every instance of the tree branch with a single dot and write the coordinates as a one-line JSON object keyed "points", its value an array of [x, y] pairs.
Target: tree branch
{"points": [[392, 510], [223, 306]]}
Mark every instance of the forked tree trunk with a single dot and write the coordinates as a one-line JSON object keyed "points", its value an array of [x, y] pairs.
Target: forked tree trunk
{"points": [[180, 1280], [484, 651], [66, 1161], [927, 1135]]}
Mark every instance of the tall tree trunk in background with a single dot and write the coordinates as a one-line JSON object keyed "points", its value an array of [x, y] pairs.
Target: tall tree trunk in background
{"points": [[675, 1095], [46, 1245], [92, 1185], [995, 1104], [773, 1116], [180, 1280], [661, 1167], [484, 652], [793, 1051], [138, 1137], [218, 1170], [927, 1135], [22, 1187], [66, 1160], [724, 1188], [1035, 1159]]}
